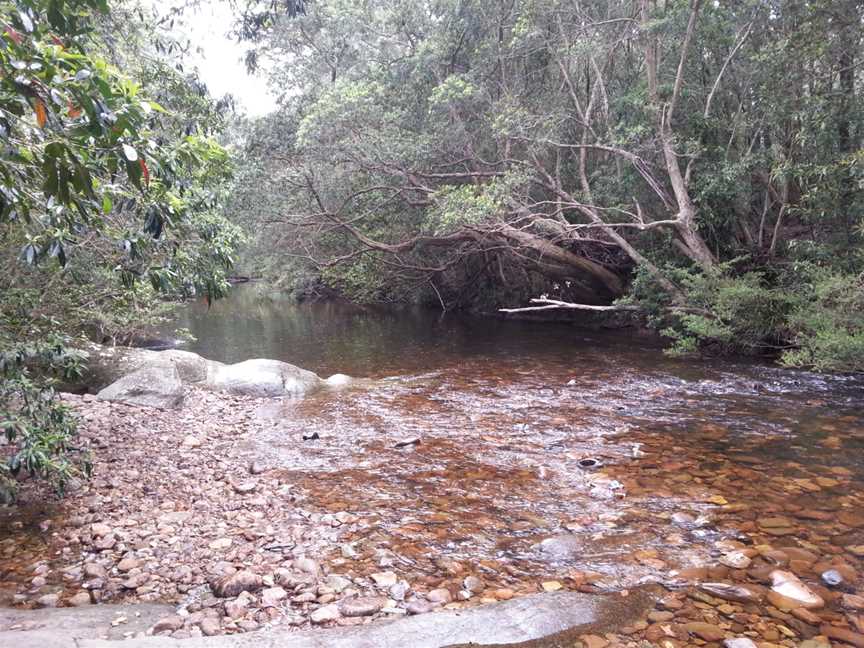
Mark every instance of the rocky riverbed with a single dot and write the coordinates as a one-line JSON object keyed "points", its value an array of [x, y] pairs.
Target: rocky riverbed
{"points": [[248, 514]]}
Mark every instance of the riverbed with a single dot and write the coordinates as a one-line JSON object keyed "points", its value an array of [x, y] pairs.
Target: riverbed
{"points": [[480, 460]]}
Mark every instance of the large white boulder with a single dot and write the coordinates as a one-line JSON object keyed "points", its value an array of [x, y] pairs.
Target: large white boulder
{"points": [[153, 386], [263, 378]]}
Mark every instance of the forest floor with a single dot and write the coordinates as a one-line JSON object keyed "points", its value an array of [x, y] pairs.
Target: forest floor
{"points": [[180, 511]]}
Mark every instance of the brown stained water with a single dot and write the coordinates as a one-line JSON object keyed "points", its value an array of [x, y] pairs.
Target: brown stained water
{"points": [[504, 411]]}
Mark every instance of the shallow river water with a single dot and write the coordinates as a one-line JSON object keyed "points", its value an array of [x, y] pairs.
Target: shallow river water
{"points": [[692, 452]]}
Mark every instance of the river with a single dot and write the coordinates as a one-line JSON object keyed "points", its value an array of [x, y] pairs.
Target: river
{"points": [[693, 452]]}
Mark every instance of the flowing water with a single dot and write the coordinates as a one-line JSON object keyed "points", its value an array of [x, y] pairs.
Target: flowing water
{"points": [[505, 415]]}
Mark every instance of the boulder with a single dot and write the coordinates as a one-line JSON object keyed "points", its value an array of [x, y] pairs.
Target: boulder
{"points": [[107, 366], [153, 386], [263, 378]]}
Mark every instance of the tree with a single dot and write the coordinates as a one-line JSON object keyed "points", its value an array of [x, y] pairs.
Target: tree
{"points": [[475, 153], [107, 199]]}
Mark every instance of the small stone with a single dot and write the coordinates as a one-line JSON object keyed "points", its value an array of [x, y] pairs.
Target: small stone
{"points": [[244, 488], [735, 560], [730, 592], [362, 606], [503, 594], [832, 578], [404, 443], [95, 570], [325, 614], [788, 586], [168, 624], [419, 606], [852, 601], [80, 599], [99, 529], [844, 635], [441, 595], [136, 581], [191, 441], [273, 596], [594, 641], [220, 544], [552, 586], [660, 616], [258, 467], [705, 631], [337, 583], [473, 584], [384, 579], [105, 543], [237, 608], [48, 600], [307, 565], [210, 627], [128, 564], [232, 585], [739, 642], [399, 591]]}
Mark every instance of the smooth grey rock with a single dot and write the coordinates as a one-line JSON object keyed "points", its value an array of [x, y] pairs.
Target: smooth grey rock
{"points": [[362, 606], [263, 378], [155, 386], [518, 620], [339, 380]]}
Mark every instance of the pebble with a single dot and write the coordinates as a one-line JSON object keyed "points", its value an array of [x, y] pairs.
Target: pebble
{"points": [[440, 595], [384, 579], [473, 584], [80, 599], [48, 600], [788, 586], [232, 585], [273, 596], [735, 560], [244, 488], [168, 624], [832, 578], [739, 642], [128, 564], [730, 592], [325, 614], [362, 606], [399, 591], [100, 529], [419, 606], [210, 627], [307, 565], [705, 631]]}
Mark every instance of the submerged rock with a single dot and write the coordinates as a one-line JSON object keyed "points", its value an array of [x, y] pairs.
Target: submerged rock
{"points": [[787, 591], [561, 547], [730, 592]]}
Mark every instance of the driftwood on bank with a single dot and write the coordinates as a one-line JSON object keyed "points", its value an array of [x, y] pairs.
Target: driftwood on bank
{"points": [[554, 304]]}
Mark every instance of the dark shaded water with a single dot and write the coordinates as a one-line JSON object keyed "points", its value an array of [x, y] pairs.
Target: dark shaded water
{"points": [[505, 411]]}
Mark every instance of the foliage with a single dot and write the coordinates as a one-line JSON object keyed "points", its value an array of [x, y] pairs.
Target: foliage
{"points": [[110, 201], [704, 153]]}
